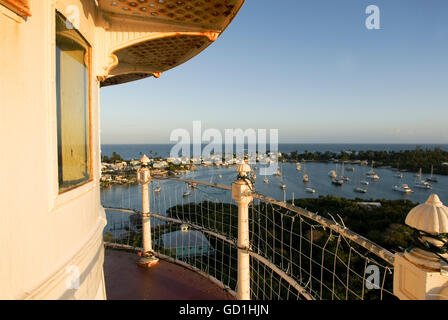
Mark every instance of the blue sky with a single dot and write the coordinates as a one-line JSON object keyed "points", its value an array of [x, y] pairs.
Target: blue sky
{"points": [[309, 68]]}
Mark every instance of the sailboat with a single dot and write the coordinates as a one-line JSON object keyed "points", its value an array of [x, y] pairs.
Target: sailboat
{"points": [[187, 193], [420, 183], [158, 188], [372, 174], [358, 188], [306, 178], [399, 174], [282, 185], [335, 180], [432, 178], [343, 177]]}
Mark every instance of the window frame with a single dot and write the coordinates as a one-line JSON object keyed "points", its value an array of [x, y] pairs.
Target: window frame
{"points": [[89, 111]]}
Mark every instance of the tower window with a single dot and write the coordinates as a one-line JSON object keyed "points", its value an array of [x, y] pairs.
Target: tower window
{"points": [[73, 105]]}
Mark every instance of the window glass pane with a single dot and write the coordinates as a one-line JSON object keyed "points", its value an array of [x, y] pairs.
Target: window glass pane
{"points": [[73, 111]]}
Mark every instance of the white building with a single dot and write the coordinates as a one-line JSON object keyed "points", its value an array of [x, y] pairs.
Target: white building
{"points": [[56, 54]]}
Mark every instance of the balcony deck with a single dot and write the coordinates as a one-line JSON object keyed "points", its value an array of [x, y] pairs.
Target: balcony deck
{"points": [[164, 281]]}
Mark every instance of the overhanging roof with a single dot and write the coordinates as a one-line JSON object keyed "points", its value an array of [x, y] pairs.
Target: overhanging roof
{"points": [[148, 37]]}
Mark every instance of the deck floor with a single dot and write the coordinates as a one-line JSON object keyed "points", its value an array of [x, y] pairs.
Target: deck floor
{"points": [[164, 281]]}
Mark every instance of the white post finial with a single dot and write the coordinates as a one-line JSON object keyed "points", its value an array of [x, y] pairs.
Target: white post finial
{"points": [[144, 178], [241, 193], [421, 273]]}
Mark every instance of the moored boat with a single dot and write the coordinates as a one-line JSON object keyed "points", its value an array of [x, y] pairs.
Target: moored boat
{"points": [[404, 188]]}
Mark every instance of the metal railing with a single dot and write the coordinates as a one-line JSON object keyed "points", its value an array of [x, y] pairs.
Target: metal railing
{"points": [[294, 253]]}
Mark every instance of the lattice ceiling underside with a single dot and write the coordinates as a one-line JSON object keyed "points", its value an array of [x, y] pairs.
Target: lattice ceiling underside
{"points": [[208, 12], [164, 53], [123, 78]]}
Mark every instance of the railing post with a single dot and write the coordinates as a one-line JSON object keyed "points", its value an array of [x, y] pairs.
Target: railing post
{"points": [[241, 193], [421, 272], [144, 178]]}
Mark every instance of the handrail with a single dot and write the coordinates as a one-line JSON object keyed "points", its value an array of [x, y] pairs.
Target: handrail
{"points": [[381, 252]]}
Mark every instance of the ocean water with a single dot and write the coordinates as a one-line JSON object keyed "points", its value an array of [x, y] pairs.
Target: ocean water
{"points": [[135, 151], [129, 196]]}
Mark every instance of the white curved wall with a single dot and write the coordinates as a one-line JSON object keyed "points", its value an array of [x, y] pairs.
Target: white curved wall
{"points": [[45, 238]]}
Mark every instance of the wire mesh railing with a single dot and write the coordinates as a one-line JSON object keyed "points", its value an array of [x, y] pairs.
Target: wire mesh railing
{"points": [[294, 254]]}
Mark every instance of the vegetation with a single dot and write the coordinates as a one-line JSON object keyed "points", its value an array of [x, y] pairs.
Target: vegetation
{"points": [[410, 160], [384, 226]]}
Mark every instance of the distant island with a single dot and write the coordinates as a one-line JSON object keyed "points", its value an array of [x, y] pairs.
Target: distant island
{"points": [[408, 160]]}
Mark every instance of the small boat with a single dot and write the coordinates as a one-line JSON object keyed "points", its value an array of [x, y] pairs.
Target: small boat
{"points": [[350, 169], [360, 190], [306, 178], [193, 185], [372, 174], [364, 182], [399, 175], [186, 194], [337, 182], [299, 166], [404, 188], [158, 188], [278, 173], [266, 180], [283, 186], [310, 190], [220, 176], [343, 176], [432, 178], [332, 174], [420, 183]]}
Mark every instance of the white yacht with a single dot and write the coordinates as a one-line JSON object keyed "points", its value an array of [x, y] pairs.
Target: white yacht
{"points": [[360, 190], [404, 188], [364, 182], [310, 190]]}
